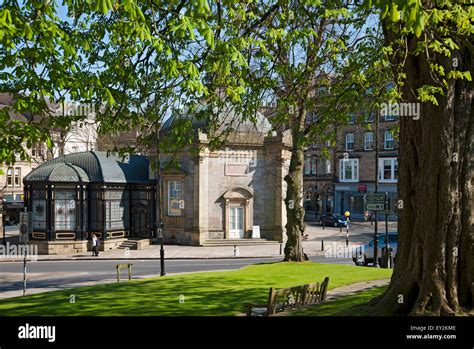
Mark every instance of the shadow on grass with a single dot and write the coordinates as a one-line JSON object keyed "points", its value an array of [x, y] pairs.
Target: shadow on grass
{"points": [[355, 304]]}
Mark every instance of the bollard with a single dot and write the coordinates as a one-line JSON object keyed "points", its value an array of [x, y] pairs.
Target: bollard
{"points": [[322, 245], [281, 248], [236, 251], [120, 266]]}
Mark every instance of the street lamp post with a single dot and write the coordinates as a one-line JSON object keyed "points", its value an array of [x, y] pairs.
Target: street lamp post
{"points": [[388, 261], [2, 215], [376, 259], [162, 250]]}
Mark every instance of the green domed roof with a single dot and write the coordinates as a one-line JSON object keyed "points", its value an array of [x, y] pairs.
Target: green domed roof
{"points": [[58, 172], [93, 166]]}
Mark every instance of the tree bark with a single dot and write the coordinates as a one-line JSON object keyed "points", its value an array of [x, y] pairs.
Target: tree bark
{"points": [[294, 208], [434, 268]]}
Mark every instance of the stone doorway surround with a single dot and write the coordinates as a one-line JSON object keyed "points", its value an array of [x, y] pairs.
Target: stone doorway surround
{"points": [[238, 197]]}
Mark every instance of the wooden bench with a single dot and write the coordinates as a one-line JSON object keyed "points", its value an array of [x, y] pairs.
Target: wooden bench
{"points": [[285, 299]]}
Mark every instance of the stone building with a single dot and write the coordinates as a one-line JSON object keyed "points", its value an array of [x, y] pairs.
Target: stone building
{"points": [[76, 195], [232, 193]]}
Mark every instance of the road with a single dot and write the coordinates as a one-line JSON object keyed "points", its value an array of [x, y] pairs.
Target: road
{"points": [[54, 275]]}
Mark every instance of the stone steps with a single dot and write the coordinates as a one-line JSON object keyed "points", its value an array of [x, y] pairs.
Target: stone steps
{"points": [[134, 244]]}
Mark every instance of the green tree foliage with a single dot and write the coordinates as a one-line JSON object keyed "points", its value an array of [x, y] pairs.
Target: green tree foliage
{"points": [[133, 60]]}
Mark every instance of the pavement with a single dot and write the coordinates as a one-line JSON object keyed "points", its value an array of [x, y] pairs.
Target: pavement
{"points": [[334, 240]]}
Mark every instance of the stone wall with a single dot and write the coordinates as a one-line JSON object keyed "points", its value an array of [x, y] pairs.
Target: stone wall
{"points": [[60, 247]]}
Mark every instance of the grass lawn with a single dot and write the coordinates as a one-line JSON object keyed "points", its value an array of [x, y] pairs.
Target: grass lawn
{"points": [[352, 305], [210, 293]]}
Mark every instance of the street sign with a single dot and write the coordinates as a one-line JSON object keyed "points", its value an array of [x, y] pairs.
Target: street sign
{"points": [[374, 198], [375, 202], [374, 207], [26, 226]]}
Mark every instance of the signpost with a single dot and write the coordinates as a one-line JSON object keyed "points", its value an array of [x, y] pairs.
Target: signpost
{"points": [[26, 228], [378, 202]]}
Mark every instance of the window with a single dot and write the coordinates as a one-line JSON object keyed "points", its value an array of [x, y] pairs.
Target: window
{"points": [[349, 170], [65, 211], [388, 140], [352, 118], [369, 141], [307, 166], [37, 151], [10, 177], [350, 141], [116, 209], [38, 204], [356, 204], [388, 170], [174, 198], [327, 166], [74, 148], [313, 165], [310, 165], [370, 118], [14, 177], [17, 177]]}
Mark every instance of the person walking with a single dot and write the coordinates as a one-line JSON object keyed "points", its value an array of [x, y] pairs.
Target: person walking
{"points": [[95, 245]]}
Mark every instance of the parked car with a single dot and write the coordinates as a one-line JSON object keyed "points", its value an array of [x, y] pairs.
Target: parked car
{"points": [[335, 220], [364, 254]]}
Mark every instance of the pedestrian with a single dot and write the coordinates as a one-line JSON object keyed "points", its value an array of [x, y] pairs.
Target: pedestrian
{"points": [[371, 218], [95, 245]]}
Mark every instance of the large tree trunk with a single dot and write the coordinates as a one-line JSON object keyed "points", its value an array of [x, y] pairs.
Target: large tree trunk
{"points": [[294, 209], [434, 268]]}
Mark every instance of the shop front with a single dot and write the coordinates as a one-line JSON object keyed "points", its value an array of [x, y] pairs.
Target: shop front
{"points": [[350, 197]]}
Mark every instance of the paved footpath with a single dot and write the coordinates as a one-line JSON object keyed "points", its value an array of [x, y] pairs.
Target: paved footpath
{"points": [[334, 238]]}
